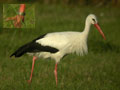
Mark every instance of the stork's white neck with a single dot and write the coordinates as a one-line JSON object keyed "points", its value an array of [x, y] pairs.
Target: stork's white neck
{"points": [[87, 28]]}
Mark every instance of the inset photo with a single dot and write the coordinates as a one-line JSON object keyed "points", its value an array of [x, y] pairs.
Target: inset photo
{"points": [[1, 16], [18, 16]]}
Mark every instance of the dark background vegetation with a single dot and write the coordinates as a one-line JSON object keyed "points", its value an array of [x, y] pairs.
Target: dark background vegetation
{"points": [[69, 2], [99, 70]]}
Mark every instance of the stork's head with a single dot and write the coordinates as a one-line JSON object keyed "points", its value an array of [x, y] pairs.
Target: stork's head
{"points": [[91, 18]]}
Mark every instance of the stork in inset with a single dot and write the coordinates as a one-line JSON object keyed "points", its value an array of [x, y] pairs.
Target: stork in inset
{"points": [[58, 44]]}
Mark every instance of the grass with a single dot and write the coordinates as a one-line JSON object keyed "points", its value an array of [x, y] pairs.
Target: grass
{"points": [[99, 70]]}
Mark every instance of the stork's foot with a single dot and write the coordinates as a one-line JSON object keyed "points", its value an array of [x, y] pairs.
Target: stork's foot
{"points": [[29, 81]]}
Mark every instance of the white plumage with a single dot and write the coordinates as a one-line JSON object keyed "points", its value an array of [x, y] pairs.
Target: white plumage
{"points": [[58, 44], [66, 42]]}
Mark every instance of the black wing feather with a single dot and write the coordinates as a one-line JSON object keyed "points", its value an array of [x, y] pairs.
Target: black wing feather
{"points": [[33, 47]]}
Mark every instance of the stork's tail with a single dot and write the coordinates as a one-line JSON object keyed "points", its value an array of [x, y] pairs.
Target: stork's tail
{"points": [[17, 53], [20, 51]]}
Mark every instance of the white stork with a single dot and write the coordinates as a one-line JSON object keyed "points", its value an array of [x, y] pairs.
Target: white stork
{"points": [[58, 44]]}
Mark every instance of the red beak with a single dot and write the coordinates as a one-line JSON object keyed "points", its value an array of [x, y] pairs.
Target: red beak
{"points": [[99, 29]]}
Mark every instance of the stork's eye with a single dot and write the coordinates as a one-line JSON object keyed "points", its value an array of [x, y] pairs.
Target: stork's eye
{"points": [[93, 19]]}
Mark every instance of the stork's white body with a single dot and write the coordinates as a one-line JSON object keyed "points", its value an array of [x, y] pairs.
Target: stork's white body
{"points": [[66, 42]]}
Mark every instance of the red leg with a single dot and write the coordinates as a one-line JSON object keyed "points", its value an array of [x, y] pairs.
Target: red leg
{"points": [[34, 58], [55, 72]]}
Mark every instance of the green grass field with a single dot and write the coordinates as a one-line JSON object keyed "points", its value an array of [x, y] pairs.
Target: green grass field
{"points": [[99, 70]]}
